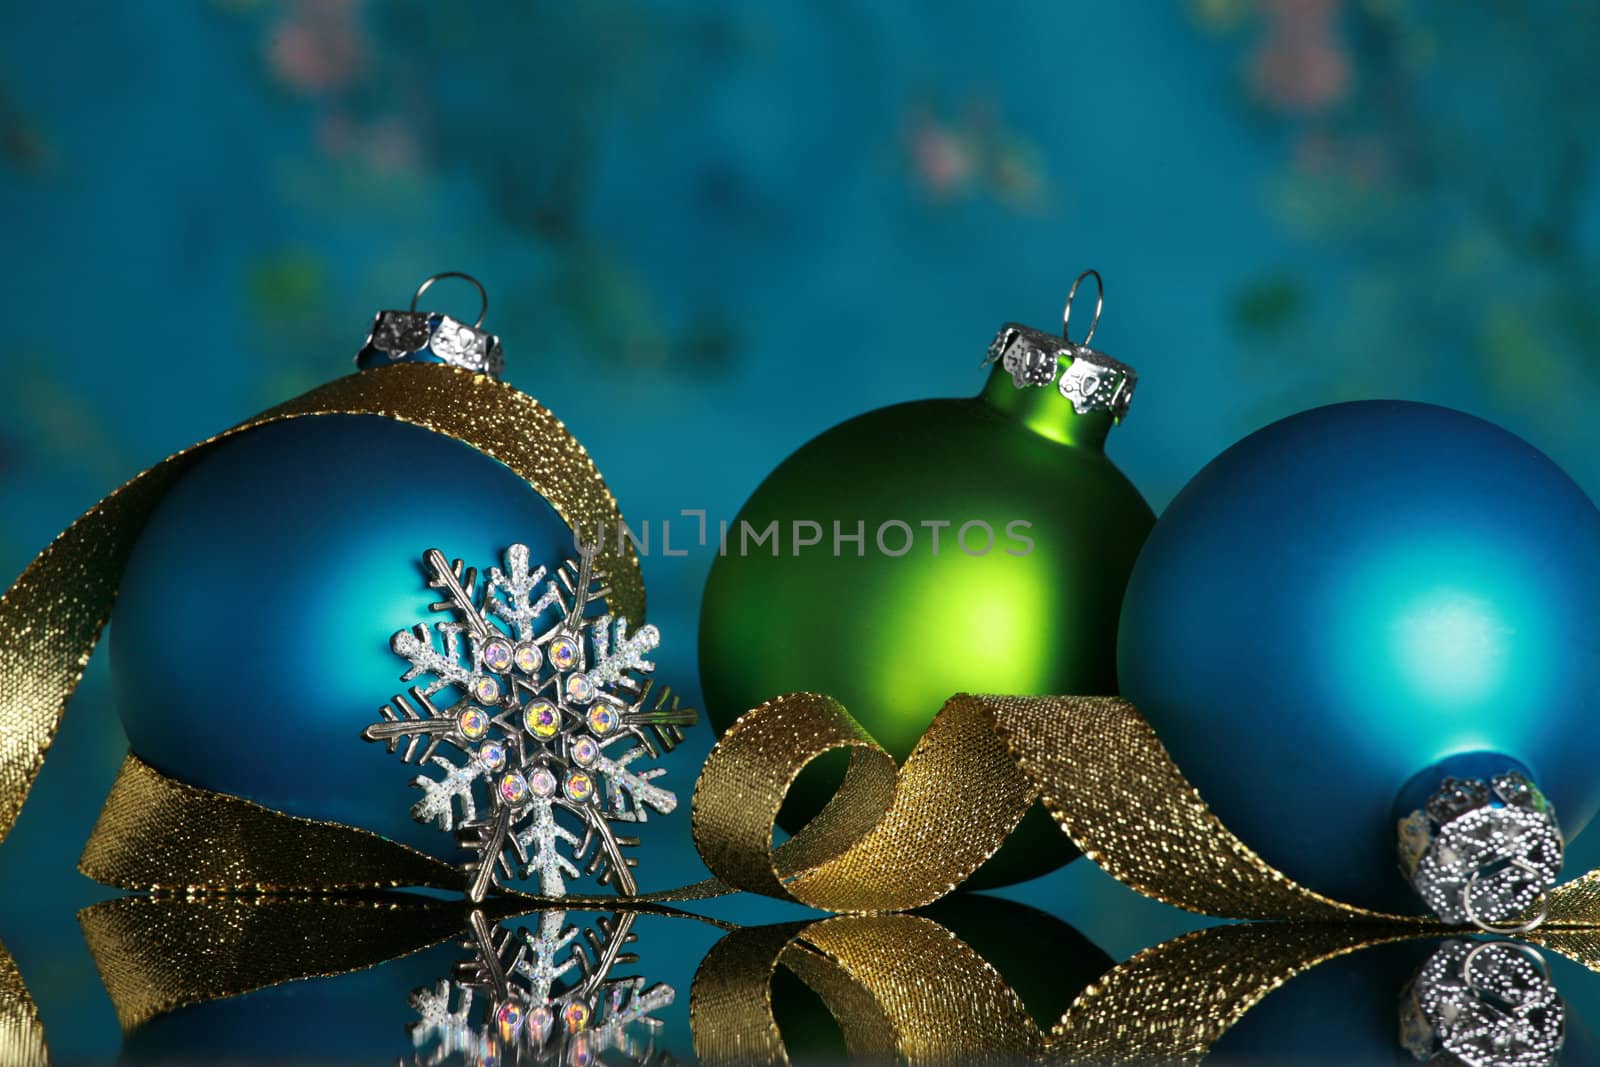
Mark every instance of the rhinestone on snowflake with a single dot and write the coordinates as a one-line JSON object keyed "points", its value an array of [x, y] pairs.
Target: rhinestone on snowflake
{"points": [[542, 718], [549, 997], [474, 723], [602, 720], [546, 702]]}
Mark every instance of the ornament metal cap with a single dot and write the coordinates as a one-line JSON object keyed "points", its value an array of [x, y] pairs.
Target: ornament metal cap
{"points": [[1484, 852], [413, 336], [1089, 379]]}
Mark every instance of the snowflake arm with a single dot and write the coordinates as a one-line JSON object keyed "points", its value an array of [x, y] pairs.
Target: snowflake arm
{"points": [[648, 1002], [631, 791], [607, 864], [457, 583], [448, 667], [440, 795], [537, 844], [516, 608], [402, 722], [489, 840], [659, 728], [582, 586], [612, 665], [581, 583], [436, 1019], [639, 1010], [549, 958]]}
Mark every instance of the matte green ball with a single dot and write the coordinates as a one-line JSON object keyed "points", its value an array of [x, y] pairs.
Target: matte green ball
{"points": [[1021, 596]]}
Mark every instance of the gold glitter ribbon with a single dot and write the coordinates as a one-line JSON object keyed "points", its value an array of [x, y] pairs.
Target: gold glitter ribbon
{"points": [[157, 833], [891, 839], [902, 988], [51, 618], [21, 1032]]}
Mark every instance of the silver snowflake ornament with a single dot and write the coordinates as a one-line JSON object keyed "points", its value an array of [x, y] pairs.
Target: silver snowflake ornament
{"points": [[550, 997], [546, 715]]}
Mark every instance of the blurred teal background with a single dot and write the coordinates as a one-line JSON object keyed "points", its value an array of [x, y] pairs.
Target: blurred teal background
{"points": [[711, 230]]}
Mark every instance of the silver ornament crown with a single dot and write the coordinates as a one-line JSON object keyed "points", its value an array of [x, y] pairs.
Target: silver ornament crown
{"points": [[398, 335], [535, 753], [1483, 852], [1088, 379]]}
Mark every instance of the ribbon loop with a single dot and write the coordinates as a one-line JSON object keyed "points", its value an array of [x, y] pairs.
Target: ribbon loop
{"points": [[885, 842], [902, 988]]}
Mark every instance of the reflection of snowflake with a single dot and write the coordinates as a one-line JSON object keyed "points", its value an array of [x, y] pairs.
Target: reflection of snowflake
{"points": [[550, 998], [548, 715]]}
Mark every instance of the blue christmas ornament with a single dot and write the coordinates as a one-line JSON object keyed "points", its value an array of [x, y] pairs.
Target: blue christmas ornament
{"points": [[1373, 618], [253, 634], [251, 638]]}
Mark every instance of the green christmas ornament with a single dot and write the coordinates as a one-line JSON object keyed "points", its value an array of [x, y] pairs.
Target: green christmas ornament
{"points": [[937, 547]]}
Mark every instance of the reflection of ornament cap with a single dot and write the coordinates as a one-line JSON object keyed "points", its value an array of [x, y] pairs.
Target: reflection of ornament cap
{"points": [[1090, 380], [413, 336], [1488, 1002]]}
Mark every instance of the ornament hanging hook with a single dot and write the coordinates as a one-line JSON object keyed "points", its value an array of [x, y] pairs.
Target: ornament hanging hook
{"points": [[483, 295], [1099, 304]]}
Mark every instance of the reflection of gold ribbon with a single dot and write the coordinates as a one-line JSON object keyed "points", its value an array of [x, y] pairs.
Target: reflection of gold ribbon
{"points": [[892, 838], [901, 987], [938, 1001], [904, 988], [21, 1032], [158, 954], [1171, 1003]]}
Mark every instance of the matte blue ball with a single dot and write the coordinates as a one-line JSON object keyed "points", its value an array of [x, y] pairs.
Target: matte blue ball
{"points": [[250, 639], [1350, 595]]}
